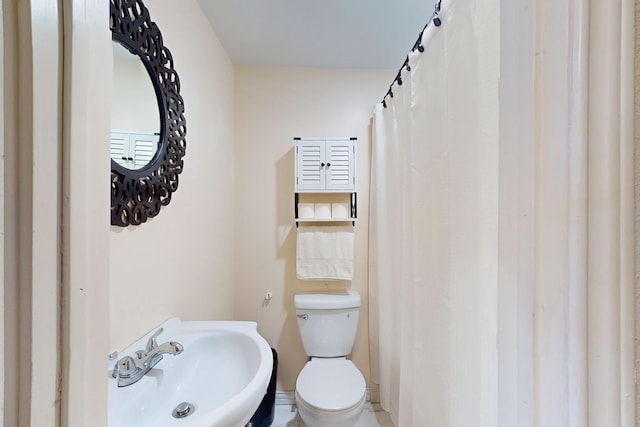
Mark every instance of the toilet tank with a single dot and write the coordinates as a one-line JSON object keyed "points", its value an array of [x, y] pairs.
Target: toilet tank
{"points": [[328, 322]]}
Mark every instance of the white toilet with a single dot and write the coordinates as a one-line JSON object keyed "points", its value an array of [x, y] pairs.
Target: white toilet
{"points": [[330, 390]]}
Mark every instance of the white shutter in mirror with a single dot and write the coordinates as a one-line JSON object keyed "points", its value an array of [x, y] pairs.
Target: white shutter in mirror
{"points": [[144, 148]]}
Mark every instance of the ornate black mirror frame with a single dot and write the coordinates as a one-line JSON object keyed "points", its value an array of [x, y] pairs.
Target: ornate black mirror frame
{"points": [[137, 195]]}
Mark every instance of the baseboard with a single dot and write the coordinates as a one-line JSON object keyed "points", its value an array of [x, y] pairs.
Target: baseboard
{"points": [[289, 397], [285, 398]]}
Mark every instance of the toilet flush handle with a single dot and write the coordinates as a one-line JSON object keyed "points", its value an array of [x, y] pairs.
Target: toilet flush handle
{"points": [[303, 316]]}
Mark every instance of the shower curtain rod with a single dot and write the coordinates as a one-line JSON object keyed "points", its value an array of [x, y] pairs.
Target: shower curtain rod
{"points": [[437, 22]]}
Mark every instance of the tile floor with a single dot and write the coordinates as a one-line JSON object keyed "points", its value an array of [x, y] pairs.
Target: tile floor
{"points": [[372, 416]]}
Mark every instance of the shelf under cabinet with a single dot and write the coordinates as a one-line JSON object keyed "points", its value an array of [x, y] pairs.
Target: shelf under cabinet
{"points": [[353, 209], [326, 220]]}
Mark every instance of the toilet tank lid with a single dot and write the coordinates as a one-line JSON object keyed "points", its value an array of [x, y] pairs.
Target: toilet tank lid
{"points": [[349, 299]]}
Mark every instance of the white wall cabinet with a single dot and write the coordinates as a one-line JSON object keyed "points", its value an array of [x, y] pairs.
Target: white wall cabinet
{"points": [[326, 166], [133, 150]]}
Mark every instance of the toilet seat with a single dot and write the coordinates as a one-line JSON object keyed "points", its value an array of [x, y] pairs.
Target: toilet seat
{"points": [[331, 384]]}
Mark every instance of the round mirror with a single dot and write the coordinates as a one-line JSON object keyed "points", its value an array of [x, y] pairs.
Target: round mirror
{"points": [[145, 180], [135, 116]]}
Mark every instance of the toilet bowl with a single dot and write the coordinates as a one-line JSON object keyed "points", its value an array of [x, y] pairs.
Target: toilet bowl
{"points": [[330, 392]]}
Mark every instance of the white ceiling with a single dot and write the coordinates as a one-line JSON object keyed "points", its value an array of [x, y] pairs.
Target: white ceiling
{"points": [[318, 33]]}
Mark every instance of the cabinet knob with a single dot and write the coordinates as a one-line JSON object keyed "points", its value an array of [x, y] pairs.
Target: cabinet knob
{"points": [[321, 165], [328, 164]]}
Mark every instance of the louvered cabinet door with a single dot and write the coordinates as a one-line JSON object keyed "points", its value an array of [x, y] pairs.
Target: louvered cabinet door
{"points": [[120, 149], [144, 148], [310, 160], [340, 166]]}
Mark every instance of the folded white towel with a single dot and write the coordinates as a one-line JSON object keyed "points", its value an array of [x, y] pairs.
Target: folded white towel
{"points": [[325, 252]]}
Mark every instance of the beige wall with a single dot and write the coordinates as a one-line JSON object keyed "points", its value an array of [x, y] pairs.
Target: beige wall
{"points": [[274, 105], [181, 262]]}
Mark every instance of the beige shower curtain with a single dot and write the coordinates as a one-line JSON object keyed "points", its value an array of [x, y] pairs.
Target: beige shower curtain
{"points": [[502, 221], [433, 230]]}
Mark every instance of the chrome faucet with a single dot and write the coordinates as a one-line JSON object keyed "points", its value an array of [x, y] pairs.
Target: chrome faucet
{"points": [[129, 370]]}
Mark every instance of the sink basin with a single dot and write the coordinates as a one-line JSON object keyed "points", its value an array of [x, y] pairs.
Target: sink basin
{"points": [[223, 373]]}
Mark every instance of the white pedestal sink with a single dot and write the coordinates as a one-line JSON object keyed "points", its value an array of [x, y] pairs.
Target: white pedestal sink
{"points": [[223, 373]]}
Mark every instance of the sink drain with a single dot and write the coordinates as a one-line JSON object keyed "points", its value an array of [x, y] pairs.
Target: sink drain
{"points": [[183, 409]]}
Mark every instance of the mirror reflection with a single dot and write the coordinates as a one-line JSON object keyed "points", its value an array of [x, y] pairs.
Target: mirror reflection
{"points": [[135, 116]]}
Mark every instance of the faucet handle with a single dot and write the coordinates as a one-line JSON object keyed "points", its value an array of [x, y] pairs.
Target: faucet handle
{"points": [[152, 342], [124, 367]]}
